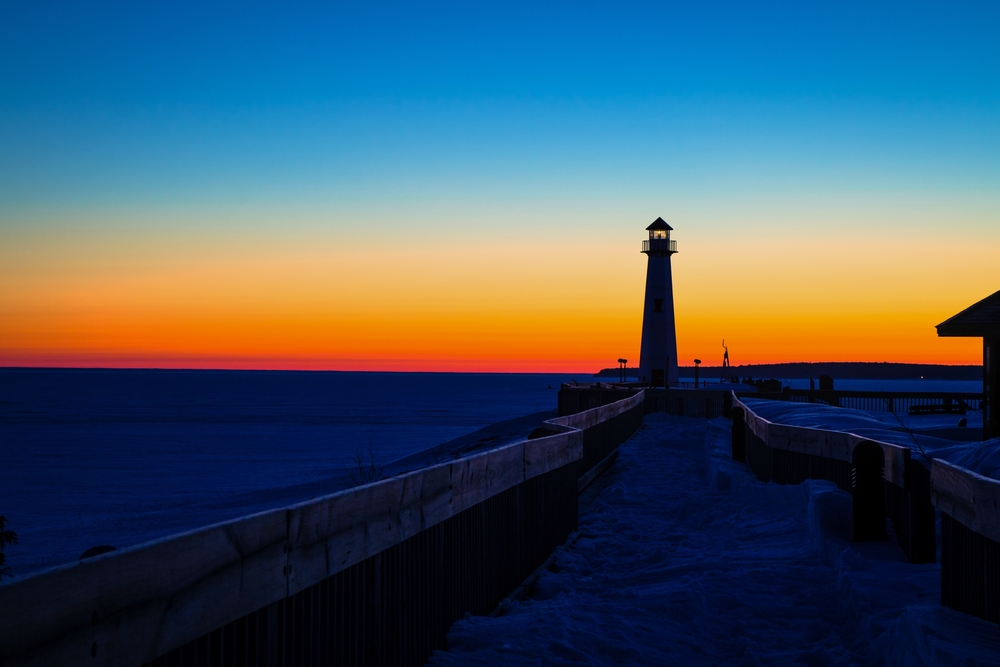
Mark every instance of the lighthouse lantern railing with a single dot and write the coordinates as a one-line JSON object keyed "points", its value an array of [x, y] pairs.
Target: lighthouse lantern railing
{"points": [[659, 245]]}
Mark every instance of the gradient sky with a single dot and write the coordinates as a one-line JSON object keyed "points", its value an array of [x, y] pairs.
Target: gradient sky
{"points": [[458, 187]]}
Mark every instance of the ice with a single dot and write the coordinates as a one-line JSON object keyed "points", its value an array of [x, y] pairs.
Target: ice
{"points": [[684, 558], [120, 457]]}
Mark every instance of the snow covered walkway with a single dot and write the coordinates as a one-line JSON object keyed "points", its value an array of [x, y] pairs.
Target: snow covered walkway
{"points": [[683, 558]]}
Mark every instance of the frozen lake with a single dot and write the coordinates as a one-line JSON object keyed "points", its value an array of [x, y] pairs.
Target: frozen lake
{"points": [[120, 456]]}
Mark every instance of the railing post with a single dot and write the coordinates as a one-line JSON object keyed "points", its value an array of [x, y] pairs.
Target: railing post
{"points": [[739, 435], [868, 492], [920, 512]]}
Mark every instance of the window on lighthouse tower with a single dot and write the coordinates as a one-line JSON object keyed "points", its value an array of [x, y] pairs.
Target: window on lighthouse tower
{"points": [[657, 305], [658, 234]]}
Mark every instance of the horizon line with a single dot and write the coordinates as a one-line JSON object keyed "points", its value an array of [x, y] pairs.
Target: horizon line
{"points": [[455, 372]]}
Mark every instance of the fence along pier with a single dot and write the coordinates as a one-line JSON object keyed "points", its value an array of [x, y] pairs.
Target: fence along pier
{"points": [[377, 574], [371, 575], [884, 480], [904, 490]]}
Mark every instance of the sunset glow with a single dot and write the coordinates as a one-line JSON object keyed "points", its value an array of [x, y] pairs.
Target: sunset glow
{"points": [[403, 210]]}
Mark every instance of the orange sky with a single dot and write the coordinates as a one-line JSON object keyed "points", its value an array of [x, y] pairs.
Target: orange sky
{"points": [[424, 189], [498, 299]]}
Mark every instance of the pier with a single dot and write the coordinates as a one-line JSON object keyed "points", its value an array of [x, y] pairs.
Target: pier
{"points": [[374, 575]]}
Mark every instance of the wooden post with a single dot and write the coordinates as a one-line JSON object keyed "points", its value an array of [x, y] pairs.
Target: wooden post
{"points": [[739, 435], [991, 388], [868, 492]]}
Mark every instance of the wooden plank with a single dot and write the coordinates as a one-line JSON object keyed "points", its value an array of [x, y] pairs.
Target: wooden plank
{"points": [[818, 442], [544, 454], [426, 499], [968, 497], [588, 418], [140, 602], [837, 445], [756, 424], [476, 478], [330, 534]]}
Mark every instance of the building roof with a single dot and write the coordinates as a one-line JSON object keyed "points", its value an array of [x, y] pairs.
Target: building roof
{"points": [[659, 224], [979, 319]]}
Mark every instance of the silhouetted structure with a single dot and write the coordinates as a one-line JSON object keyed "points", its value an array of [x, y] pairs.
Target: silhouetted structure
{"points": [[724, 374], [658, 353], [982, 319]]}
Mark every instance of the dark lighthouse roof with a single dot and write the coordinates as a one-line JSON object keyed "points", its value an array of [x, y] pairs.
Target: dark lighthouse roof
{"points": [[659, 224], [979, 319]]}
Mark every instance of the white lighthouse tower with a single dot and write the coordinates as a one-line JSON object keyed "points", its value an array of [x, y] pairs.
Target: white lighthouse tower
{"points": [[658, 354]]}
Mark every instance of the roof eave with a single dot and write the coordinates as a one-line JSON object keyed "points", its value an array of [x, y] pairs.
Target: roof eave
{"points": [[985, 320], [945, 330], [660, 223]]}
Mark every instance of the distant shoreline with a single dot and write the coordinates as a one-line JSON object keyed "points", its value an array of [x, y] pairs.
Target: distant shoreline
{"points": [[796, 370], [842, 370]]}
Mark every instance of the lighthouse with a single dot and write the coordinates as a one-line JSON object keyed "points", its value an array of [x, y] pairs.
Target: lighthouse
{"points": [[658, 353]]}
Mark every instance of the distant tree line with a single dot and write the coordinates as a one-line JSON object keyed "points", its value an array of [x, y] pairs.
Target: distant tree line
{"points": [[841, 370]]}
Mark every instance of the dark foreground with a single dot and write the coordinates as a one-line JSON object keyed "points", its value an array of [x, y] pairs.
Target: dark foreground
{"points": [[683, 558]]}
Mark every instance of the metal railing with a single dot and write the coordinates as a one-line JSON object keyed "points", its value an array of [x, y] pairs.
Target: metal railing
{"points": [[882, 401], [659, 245]]}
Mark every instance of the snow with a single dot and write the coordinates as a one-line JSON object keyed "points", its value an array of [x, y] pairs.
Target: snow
{"points": [[882, 426], [682, 557], [982, 457]]}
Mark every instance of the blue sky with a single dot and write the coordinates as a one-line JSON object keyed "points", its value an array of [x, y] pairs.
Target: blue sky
{"points": [[132, 129], [171, 102]]}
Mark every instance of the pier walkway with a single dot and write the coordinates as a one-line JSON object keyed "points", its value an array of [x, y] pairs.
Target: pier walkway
{"points": [[683, 558]]}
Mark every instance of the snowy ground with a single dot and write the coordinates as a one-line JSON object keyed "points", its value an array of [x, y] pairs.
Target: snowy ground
{"points": [[683, 558]]}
